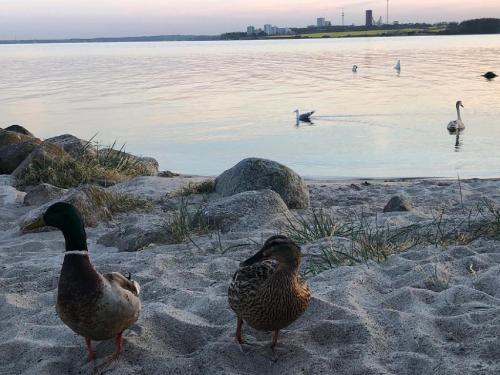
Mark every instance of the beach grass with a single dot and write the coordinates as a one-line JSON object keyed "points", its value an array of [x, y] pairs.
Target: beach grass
{"points": [[367, 240], [202, 187], [186, 221], [106, 166]]}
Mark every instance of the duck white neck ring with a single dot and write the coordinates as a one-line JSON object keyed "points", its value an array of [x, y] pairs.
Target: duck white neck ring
{"points": [[76, 252]]}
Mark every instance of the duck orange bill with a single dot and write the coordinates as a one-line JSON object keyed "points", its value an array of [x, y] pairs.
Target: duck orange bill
{"points": [[38, 223]]}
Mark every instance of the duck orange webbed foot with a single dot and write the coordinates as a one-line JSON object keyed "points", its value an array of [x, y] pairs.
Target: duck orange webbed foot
{"points": [[91, 353], [116, 354]]}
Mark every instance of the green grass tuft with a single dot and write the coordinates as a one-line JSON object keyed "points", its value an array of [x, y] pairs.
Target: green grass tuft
{"points": [[203, 187], [187, 221], [370, 241]]}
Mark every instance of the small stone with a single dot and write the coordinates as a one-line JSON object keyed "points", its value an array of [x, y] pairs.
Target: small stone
{"points": [[168, 174], [397, 204]]}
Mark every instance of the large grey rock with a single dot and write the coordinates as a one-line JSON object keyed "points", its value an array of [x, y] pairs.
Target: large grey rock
{"points": [[248, 211], [9, 137], [43, 155], [258, 174], [145, 166], [90, 200], [12, 155], [155, 188], [137, 232], [19, 129], [74, 146], [9, 195], [398, 203], [41, 194]]}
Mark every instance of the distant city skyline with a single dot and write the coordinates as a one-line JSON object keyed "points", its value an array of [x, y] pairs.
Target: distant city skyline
{"points": [[40, 19]]}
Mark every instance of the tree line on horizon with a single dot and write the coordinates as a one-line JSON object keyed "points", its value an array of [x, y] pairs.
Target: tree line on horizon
{"points": [[473, 26]]}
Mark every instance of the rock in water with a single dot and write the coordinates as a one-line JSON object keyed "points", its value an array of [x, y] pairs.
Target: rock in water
{"points": [[398, 203], [259, 174]]}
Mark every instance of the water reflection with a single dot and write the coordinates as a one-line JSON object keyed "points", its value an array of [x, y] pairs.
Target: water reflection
{"points": [[458, 142]]}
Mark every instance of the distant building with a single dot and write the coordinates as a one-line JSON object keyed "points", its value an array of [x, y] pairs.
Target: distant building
{"points": [[328, 23], [369, 18], [250, 30], [284, 31], [320, 22], [268, 29]]}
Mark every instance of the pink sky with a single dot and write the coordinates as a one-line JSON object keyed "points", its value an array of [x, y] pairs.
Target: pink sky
{"points": [[88, 18]]}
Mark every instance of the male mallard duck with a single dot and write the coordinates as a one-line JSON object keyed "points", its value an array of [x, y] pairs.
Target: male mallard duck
{"points": [[96, 306], [267, 291]]}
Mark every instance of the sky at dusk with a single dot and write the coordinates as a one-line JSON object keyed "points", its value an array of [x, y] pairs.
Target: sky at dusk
{"points": [[21, 19]]}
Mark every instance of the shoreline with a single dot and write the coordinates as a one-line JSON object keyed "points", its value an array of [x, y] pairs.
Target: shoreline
{"points": [[159, 39]]}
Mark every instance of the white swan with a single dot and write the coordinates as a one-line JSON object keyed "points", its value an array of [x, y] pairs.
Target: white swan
{"points": [[305, 117], [457, 124], [398, 66], [354, 68]]}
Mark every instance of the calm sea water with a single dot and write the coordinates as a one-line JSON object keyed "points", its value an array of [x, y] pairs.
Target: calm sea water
{"points": [[201, 107]]}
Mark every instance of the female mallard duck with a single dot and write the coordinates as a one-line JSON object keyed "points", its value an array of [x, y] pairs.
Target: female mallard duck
{"points": [[96, 306], [267, 291]]}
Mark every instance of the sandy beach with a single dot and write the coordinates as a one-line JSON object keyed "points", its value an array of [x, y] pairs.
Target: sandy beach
{"points": [[432, 309]]}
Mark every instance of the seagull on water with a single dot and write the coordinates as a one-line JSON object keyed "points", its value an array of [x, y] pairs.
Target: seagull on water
{"points": [[304, 117]]}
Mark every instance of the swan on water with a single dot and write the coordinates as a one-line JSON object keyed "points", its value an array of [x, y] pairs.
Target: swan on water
{"points": [[354, 68], [305, 117], [457, 124]]}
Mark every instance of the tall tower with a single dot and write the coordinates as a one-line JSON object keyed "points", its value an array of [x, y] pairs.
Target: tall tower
{"points": [[369, 18], [387, 12], [342, 17]]}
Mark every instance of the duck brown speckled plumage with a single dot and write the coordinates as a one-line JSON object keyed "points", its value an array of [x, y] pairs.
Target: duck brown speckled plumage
{"points": [[267, 291], [95, 306]]}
